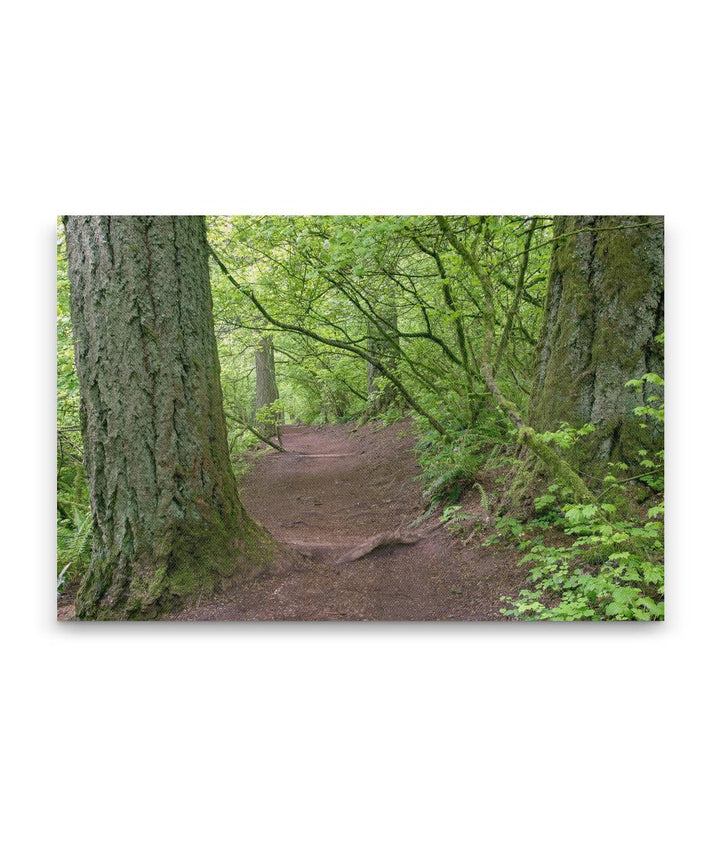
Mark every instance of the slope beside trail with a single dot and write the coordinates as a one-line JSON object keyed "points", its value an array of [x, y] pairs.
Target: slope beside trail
{"points": [[341, 501]]}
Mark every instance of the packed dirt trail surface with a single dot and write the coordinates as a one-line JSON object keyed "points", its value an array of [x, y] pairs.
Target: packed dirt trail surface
{"points": [[341, 503]]}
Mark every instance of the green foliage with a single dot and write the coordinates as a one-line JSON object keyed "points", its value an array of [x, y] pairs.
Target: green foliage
{"points": [[269, 416], [74, 519], [610, 568], [448, 468], [336, 294], [654, 407], [565, 436], [453, 517], [325, 288], [609, 565], [73, 545]]}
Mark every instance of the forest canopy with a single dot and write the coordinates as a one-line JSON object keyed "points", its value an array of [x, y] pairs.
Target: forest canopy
{"points": [[526, 351]]}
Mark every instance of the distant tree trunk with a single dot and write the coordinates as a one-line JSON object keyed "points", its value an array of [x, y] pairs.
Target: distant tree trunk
{"points": [[266, 391], [603, 310], [167, 519], [381, 394]]}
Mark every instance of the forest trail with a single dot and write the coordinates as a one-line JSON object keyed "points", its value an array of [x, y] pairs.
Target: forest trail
{"points": [[341, 502]]}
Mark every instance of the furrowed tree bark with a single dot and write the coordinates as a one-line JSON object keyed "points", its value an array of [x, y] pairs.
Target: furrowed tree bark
{"points": [[167, 520], [603, 310]]}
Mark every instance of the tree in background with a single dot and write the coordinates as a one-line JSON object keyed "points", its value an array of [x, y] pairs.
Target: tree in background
{"points": [[166, 517], [265, 412]]}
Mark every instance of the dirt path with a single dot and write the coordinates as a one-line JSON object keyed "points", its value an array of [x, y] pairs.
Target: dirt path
{"points": [[341, 503]]}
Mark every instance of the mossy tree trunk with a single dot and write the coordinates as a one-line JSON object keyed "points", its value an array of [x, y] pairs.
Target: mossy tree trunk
{"points": [[167, 519], [603, 310], [266, 390]]}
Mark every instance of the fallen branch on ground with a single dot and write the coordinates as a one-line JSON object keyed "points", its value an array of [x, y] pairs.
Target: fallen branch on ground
{"points": [[247, 427]]}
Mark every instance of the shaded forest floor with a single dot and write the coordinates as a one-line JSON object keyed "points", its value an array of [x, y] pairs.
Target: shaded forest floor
{"points": [[337, 494], [340, 503]]}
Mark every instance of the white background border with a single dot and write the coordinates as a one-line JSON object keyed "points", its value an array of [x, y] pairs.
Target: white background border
{"points": [[346, 739]]}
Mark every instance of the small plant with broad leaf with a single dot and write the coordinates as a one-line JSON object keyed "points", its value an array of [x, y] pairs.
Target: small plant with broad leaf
{"points": [[610, 566]]}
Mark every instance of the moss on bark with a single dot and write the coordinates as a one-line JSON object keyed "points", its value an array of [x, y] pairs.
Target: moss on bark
{"points": [[167, 520], [603, 310]]}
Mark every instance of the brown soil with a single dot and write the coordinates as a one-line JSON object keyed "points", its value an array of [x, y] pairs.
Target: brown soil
{"points": [[341, 503]]}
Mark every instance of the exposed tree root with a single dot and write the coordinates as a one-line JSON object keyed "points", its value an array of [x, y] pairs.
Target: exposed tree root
{"points": [[384, 539]]}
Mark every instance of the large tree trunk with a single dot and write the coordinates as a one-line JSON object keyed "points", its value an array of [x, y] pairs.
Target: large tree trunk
{"points": [[266, 391], [167, 519], [603, 310]]}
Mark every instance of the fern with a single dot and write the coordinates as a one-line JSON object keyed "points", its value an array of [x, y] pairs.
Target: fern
{"points": [[73, 545]]}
